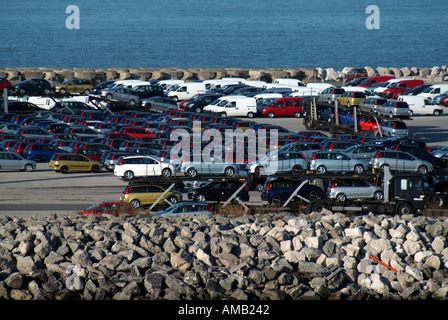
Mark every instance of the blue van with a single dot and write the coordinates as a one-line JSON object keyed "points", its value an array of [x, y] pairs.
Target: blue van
{"points": [[40, 152]]}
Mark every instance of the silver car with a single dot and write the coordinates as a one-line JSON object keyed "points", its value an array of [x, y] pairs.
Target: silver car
{"points": [[13, 161], [371, 104], [222, 168], [353, 189], [336, 161], [394, 128], [363, 151], [278, 162], [329, 95], [394, 109], [122, 94], [399, 161], [307, 148]]}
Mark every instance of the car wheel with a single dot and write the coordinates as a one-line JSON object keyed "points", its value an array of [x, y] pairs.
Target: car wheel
{"points": [[86, 92], [250, 115], [436, 113], [198, 110], [359, 168], [46, 91], [378, 195], [175, 98], [128, 175], [166, 173], [191, 172], [341, 197], [173, 199], [321, 169], [95, 169], [411, 113], [436, 165], [132, 102], [276, 199], [28, 167], [391, 115], [258, 171], [64, 169], [405, 208], [229, 172], [223, 114], [200, 198], [422, 170], [271, 114], [259, 187], [22, 91], [297, 114], [37, 158], [296, 169], [348, 105], [108, 96], [62, 91], [135, 203]]}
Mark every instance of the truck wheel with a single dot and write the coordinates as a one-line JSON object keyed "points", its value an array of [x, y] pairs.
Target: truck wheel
{"points": [[405, 208], [319, 206], [438, 201]]}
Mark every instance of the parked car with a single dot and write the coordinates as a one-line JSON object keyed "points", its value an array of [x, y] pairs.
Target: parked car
{"points": [[351, 98], [67, 162], [372, 81], [4, 84], [146, 194], [122, 94], [363, 151], [371, 104], [399, 161], [395, 128], [394, 109], [400, 87], [421, 106], [306, 148], [20, 107], [284, 107], [114, 208], [34, 86], [83, 86], [90, 153], [203, 100], [110, 158], [218, 191], [329, 95], [148, 91], [160, 104], [353, 189], [279, 190], [191, 168], [130, 167], [336, 161], [40, 152], [34, 132], [355, 73], [338, 144], [13, 161], [185, 208], [423, 154], [278, 162]]}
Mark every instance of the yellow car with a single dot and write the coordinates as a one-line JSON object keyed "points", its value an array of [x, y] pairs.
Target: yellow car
{"points": [[146, 194], [83, 86], [350, 99], [65, 162]]}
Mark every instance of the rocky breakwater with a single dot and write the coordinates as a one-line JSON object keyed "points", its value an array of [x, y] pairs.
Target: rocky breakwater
{"points": [[271, 256]]}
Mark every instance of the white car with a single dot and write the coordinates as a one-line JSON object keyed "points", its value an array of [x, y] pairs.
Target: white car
{"points": [[130, 167]]}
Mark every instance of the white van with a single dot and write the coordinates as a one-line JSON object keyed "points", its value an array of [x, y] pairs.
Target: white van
{"points": [[319, 86], [421, 105], [216, 84], [367, 92], [289, 81], [42, 102], [304, 91], [434, 90], [255, 83], [168, 83], [387, 84], [234, 106], [261, 96], [186, 90]]}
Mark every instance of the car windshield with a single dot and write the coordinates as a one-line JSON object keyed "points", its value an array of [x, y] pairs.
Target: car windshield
{"points": [[349, 149], [91, 207], [394, 85], [268, 102]]}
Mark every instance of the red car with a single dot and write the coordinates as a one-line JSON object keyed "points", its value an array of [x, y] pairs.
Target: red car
{"points": [[113, 208], [400, 86], [370, 81], [444, 101], [285, 107], [367, 123], [136, 132], [93, 154], [19, 147], [356, 73], [4, 83]]}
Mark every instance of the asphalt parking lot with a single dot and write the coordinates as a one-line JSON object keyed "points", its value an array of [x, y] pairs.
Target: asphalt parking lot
{"points": [[44, 191]]}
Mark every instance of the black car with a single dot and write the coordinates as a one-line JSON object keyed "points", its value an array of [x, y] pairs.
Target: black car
{"points": [[103, 85], [200, 102], [21, 107], [218, 191], [33, 86], [148, 91]]}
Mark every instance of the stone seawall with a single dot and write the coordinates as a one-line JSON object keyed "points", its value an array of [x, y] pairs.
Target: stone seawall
{"points": [[97, 75], [252, 257]]}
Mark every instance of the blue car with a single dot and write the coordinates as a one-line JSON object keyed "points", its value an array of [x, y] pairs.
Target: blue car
{"points": [[40, 152], [279, 190], [186, 208]]}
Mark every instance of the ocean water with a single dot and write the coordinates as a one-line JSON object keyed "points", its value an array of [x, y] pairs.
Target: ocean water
{"points": [[231, 33]]}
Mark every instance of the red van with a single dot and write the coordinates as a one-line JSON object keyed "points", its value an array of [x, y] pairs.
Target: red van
{"points": [[400, 86], [292, 106], [371, 81]]}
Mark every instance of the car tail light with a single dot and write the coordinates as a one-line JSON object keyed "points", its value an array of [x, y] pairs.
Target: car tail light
{"points": [[31, 148], [209, 208], [396, 148], [333, 184], [314, 156], [378, 154], [121, 162], [126, 191], [245, 189], [268, 186]]}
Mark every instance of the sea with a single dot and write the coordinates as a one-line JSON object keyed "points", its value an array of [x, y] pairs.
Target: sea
{"points": [[223, 33]]}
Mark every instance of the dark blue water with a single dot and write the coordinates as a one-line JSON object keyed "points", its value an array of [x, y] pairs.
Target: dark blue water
{"points": [[231, 33]]}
